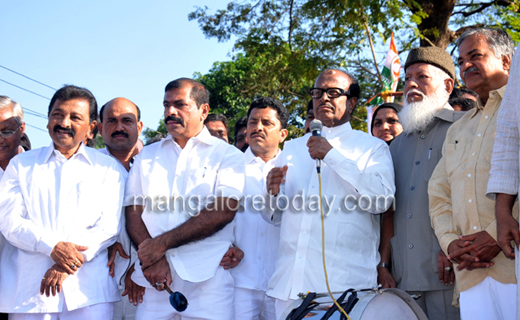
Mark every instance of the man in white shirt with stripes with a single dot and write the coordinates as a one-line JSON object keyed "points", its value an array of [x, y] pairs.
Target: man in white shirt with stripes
{"points": [[61, 209], [266, 129], [181, 197]]}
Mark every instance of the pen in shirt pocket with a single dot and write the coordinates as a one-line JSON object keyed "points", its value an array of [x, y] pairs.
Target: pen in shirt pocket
{"points": [[204, 172], [430, 154]]}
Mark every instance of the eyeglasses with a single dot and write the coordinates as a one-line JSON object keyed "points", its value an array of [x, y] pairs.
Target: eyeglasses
{"points": [[8, 133], [317, 93]]}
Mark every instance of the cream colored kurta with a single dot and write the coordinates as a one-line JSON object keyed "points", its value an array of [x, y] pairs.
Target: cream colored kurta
{"points": [[457, 189]]}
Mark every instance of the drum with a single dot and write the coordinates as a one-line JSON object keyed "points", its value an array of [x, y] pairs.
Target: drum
{"points": [[391, 304]]}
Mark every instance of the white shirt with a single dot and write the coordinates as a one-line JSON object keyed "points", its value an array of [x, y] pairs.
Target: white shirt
{"points": [[358, 165], [179, 183], [46, 198], [122, 264], [257, 238]]}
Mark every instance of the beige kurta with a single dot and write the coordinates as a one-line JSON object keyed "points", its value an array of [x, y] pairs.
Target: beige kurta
{"points": [[458, 202]]}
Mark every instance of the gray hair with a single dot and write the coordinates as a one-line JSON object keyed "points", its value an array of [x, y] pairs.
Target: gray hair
{"points": [[6, 102], [498, 40]]}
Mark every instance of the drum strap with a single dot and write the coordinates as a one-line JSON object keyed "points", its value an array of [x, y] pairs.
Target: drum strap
{"points": [[306, 306], [347, 306]]}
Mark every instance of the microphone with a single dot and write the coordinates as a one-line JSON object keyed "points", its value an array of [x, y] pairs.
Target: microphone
{"points": [[315, 127]]}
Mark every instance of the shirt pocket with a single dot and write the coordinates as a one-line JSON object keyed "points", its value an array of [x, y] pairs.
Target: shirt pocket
{"points": [[434, 155], [202, 184], [454, 156]]}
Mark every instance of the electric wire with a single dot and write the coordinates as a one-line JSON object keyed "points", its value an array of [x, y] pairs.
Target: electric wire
{"points": [[34, 113], [14, 85], [35, 127], [323, 251], [22, 75]]}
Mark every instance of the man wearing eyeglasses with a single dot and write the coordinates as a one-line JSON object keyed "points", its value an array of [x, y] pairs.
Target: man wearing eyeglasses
{"points": [[355, 168], [12, 128]]}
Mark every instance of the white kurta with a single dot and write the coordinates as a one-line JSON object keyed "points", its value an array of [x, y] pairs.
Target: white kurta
{"points": [[122, 264], [504, 176], [358, 167], [257, 238], [174, 184], [46, 198]]}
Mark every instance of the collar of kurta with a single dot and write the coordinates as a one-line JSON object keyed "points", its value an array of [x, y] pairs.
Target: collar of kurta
{"points": [[204, 136], [250, 156], [81, 152], [446, 113], [331, 133], [500, 91]]}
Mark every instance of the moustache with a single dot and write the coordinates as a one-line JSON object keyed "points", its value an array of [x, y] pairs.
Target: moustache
{"points": [[472, 69], [68, 131], [254, 134], [176, 119], [414, 91], [326, 105], [119, 133]]}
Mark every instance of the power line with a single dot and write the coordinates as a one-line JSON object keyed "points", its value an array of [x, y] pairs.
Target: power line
{"points": [[14, 85], [34, 113], [18, 73], [35, 127]]}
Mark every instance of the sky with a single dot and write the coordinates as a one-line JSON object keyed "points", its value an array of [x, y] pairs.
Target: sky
{"points": [[128, 49]]}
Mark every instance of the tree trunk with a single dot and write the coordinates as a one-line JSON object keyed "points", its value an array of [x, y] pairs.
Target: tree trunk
{"points": [[435, 26]]}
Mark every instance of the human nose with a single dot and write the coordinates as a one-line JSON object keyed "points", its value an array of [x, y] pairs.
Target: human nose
{"points": [[386, 126], [169, 110], [65, 122], [409, 84]]}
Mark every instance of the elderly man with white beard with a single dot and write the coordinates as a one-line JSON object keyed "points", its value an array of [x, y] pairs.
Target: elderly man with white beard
{"points": [[408, 242]]}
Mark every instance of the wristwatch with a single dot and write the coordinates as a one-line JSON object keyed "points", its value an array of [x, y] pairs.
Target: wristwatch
{"points": [[383, 265]]}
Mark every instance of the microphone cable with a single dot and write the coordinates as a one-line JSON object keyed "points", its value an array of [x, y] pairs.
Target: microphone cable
{"points": [[323, 250]]}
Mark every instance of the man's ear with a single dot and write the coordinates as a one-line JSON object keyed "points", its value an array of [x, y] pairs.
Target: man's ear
{"points": [[449, 83], [351, 104], [283, 135], [205, 111], [506, 63], [91, 127], [100, 128]]}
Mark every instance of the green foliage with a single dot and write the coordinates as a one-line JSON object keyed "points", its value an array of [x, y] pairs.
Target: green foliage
{"points": [[100, 144], [149, 133], [282, 46]]}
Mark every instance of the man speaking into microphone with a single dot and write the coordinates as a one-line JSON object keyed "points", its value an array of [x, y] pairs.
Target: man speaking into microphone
{"points": [[357, 182]]}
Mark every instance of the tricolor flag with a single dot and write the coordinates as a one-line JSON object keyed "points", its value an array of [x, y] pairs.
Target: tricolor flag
{"points": [[392, 68]]}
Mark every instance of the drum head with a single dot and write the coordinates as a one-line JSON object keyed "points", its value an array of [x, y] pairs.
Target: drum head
{"points": [[390, 304]]}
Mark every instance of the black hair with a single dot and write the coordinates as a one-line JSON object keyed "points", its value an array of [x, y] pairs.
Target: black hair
{"points": [[310, 106], [212, 117], [267, 102], [241, 123], [198, 91], [70, 92]]}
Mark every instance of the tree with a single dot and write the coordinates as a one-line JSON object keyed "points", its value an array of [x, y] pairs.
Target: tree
{"points": [[286, 43]]}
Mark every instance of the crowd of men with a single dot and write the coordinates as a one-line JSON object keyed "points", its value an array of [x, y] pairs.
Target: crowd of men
{"points": [[105, 234]]}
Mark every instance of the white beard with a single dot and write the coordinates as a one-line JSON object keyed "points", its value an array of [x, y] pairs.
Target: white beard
{"points": [[416, 116]]}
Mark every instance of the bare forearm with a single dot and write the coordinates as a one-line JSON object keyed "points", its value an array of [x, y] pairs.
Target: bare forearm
{"points": [[504, 205], [387, 232], [135, 226], [206, 223]]}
